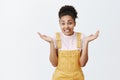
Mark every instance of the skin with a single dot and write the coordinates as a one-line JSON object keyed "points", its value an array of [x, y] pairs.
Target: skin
{"points": [[67, 25]]}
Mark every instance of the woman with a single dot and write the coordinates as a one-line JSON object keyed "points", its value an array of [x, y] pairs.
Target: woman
{"points": [[69, 49]]}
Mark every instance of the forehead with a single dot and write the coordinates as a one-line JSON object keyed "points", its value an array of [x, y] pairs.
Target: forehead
{"points": [[66, 18]]}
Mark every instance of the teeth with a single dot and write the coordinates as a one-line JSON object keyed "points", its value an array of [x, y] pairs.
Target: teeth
{"points": [[66, 30]]}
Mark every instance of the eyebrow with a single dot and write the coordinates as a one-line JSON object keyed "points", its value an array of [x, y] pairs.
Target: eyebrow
{"points": [[64, 21]]}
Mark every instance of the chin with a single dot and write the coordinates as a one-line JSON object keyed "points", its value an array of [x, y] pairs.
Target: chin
{"points": [[67, 34]]}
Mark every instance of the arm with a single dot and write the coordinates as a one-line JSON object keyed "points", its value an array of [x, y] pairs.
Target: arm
{"points": [[53, 51], [53, 55], [84, 54]]}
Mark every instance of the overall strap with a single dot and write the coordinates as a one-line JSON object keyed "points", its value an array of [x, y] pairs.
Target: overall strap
{"points": [[78, 40], [58, 40]]}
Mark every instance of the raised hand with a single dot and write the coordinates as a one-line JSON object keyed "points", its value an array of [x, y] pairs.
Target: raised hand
{"points": [[92, 37], [45, 37]]}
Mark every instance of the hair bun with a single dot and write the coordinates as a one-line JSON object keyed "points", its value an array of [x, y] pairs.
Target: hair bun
{"points": [[68, 10]]}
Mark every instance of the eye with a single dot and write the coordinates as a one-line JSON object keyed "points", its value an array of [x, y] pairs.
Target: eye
{"points": [[69, 23], [62, 23]]}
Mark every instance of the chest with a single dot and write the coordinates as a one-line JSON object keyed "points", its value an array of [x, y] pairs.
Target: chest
{"points": [[68, 43]]}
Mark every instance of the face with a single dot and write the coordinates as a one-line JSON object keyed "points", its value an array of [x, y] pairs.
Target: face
{"points": [[67, 25]]}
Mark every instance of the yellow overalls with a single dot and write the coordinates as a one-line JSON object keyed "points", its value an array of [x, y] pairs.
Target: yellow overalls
{"points": [[68, 67]]}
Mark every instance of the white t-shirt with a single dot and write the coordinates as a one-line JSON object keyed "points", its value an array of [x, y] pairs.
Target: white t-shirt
{"points": [[69, 42]]}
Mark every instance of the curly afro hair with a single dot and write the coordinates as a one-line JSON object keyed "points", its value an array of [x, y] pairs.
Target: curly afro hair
{"points": [[68, 10]]}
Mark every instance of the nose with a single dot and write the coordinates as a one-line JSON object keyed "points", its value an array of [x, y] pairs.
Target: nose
{"points": [[66, 26]]}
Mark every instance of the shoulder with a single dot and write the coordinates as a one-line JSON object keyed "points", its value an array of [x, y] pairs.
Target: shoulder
{"points": [[80, 33]]}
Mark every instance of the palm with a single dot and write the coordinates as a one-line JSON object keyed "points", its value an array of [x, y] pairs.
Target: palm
{"points": [[46, 38], [92, 37]]}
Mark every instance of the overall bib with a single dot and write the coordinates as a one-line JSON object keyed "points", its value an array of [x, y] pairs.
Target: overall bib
{"points": [[68, 67]]}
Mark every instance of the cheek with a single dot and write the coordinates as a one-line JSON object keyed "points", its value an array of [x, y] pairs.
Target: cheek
{"points": [[62, 28], [71, 27]]}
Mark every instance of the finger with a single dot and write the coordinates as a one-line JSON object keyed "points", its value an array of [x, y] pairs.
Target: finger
{"points": [[38, 33], [97, 32], [91, 35]]}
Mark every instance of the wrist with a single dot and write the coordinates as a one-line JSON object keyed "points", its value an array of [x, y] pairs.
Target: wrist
{"points": [[51, 42], [86, 42]]}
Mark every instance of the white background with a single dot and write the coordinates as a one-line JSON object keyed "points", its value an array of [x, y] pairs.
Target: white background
{"points": [[24, 56]]}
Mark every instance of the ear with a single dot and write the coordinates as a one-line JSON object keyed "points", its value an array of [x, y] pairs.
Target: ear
{"points": [[59, 21]]}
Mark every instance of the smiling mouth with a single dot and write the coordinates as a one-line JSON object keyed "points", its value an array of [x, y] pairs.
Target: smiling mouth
{"points": [[67, 31]]}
